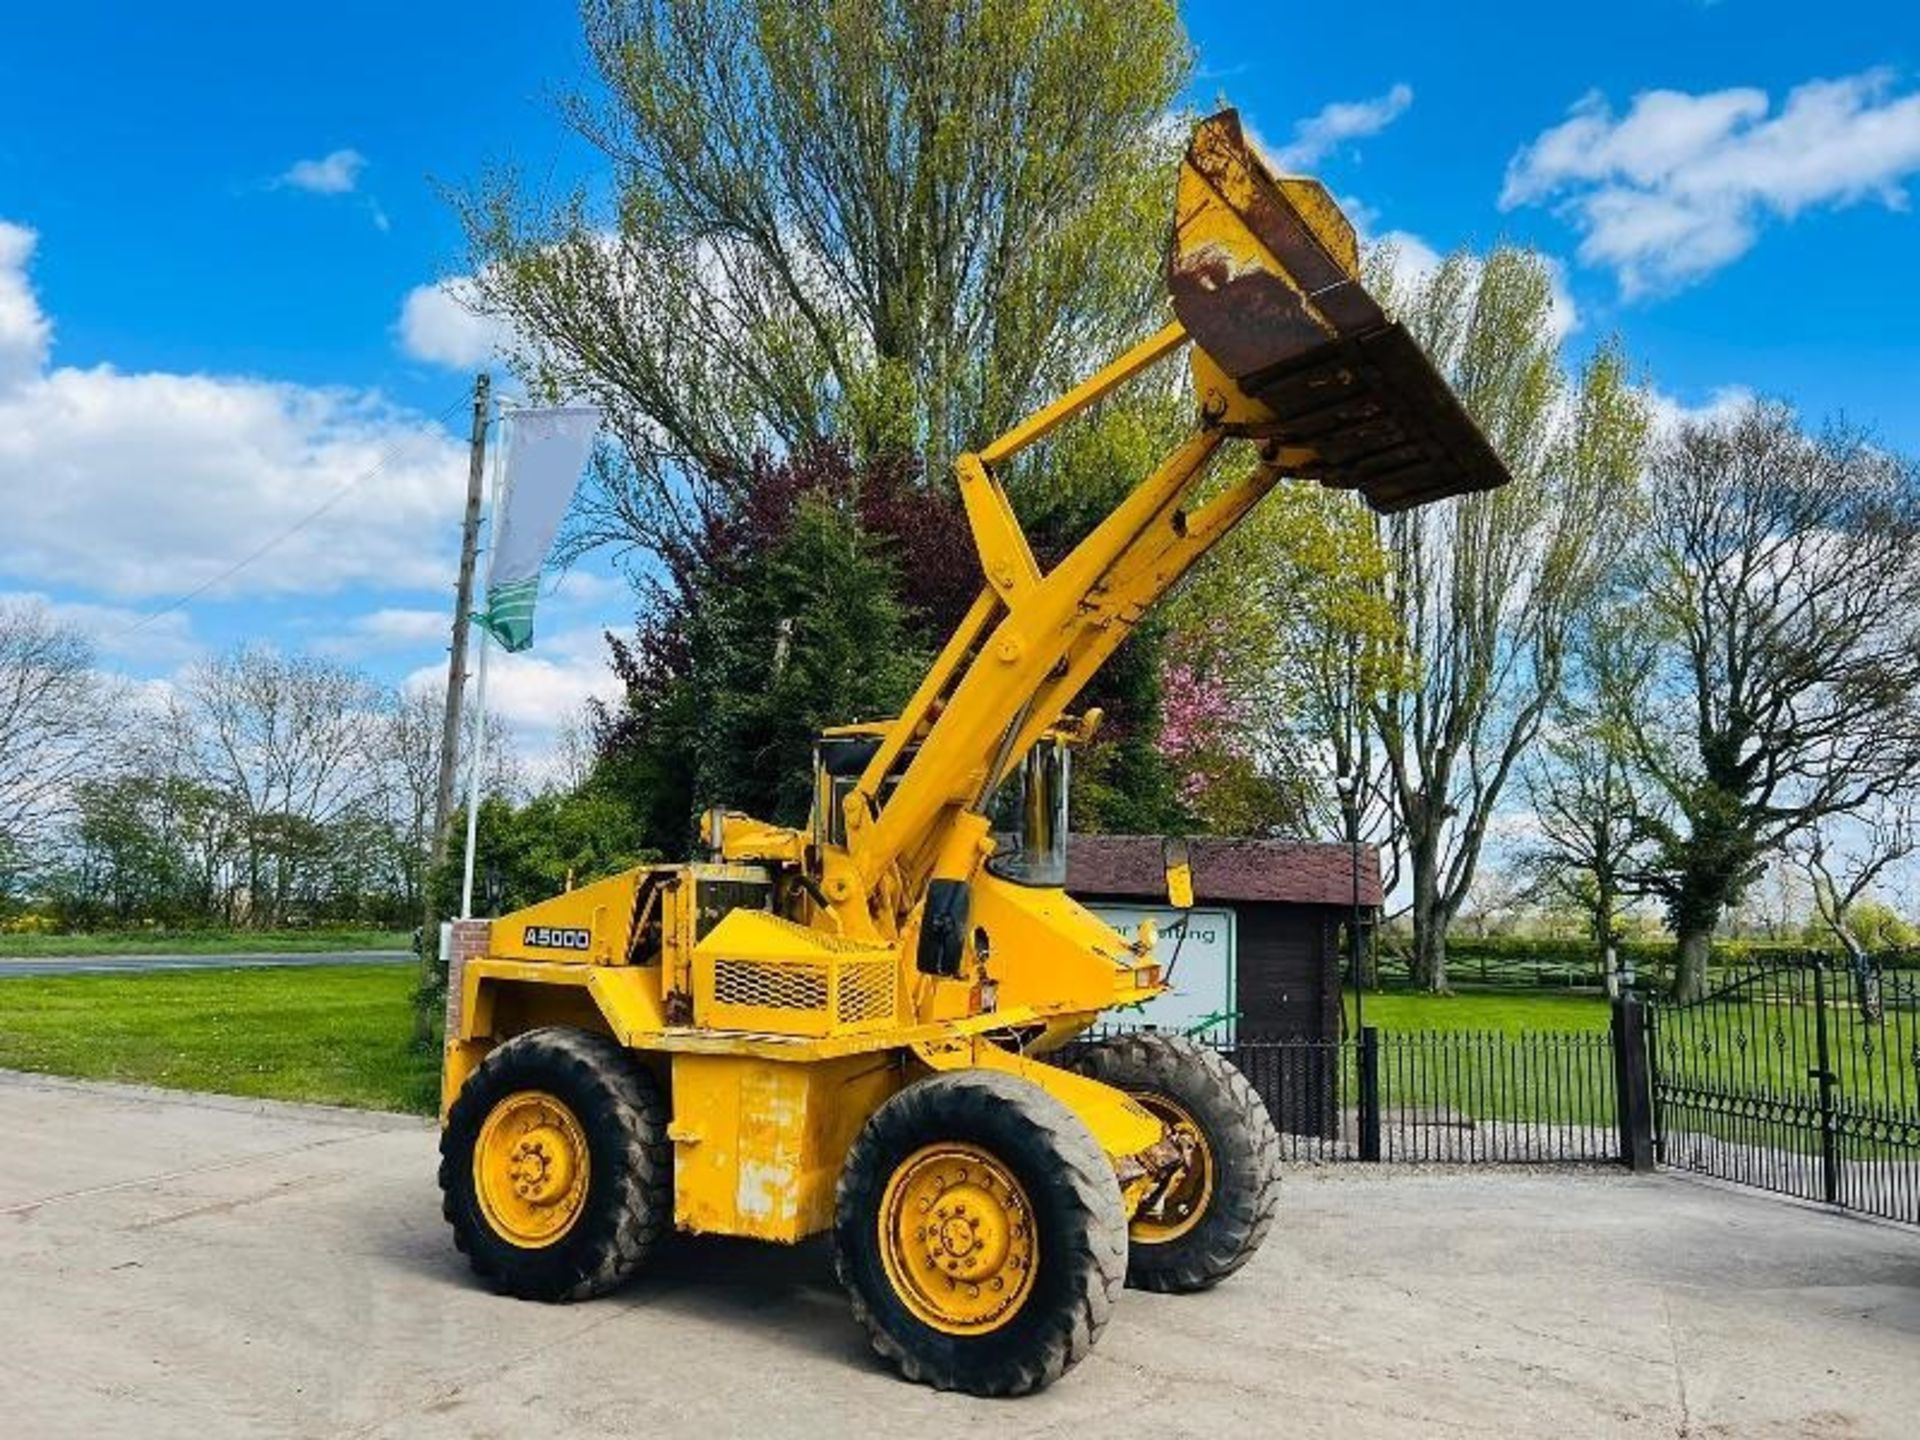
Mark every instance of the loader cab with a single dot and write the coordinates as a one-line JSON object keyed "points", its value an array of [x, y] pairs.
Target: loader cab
{"points": [[1028, 810], [840, 757], [1029, 815]]}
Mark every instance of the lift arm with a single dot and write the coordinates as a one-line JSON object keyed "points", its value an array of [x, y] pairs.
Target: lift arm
{"points": [[1289, 351]]}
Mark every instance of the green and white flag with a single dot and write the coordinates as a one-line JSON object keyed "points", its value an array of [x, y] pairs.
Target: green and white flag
{"points": [[543, 453]]}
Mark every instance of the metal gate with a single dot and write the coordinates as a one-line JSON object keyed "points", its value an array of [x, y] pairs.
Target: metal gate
{"points": [[1800, 1076]]}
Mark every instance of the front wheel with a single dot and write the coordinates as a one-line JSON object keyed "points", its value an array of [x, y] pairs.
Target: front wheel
{"points": [[555, 1169], [1211, 1218], [980, 1233]]}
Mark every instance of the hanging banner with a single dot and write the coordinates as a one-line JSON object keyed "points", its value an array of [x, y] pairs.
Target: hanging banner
{"points": [[545, 453]]}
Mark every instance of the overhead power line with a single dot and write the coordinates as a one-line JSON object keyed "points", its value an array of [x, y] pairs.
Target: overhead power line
{"points": [[387, 457]]}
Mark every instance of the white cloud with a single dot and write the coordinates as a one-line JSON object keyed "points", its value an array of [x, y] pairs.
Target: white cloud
{"points": [[25, 333], [1669, 412], [165, 640], [386, 631], [439, 324], [1318, 136], [336, 173], [148, 485], [1680, 185], [538, 691]]}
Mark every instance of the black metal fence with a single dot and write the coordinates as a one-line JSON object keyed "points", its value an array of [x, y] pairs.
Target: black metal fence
{"points": [[1797, 1075], [1440, 1096]]}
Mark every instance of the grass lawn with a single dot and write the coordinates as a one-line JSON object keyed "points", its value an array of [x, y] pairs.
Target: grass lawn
{"points": [[336, 1035], [202, 942], [1506, 1014], [341, 1035]]}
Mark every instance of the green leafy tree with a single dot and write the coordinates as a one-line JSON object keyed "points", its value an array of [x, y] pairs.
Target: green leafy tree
{"points": [[1124, 782], [1485, 588], [1290, 621], [1591, 802], [899, 225], [532, 850], [807, 636], [901, 222], [789, 614]]}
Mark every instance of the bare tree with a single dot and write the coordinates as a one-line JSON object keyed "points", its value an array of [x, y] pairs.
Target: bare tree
{"points": [[290, 740], [56, 715], [409, 747], [904, 223], [1781, 572], [407, 752], [1486, 588], [1587, 796], [574, 753], [1847, 862]]}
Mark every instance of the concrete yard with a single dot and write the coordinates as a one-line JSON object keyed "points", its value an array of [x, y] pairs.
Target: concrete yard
{"points": [[180, 1265]]}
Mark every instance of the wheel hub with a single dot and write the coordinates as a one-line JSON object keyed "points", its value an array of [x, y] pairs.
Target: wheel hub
{"points": [[956, 1239], [1178, 1201], [530, 1169], [541, 1165]]}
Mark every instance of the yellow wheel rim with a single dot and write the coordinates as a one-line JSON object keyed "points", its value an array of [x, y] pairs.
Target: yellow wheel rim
{"points": [[1183, 1204], [957, 1239], [530, 1168]]}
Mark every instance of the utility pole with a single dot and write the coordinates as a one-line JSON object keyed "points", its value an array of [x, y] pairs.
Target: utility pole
{"points": [[456, 679], [462, 608]]}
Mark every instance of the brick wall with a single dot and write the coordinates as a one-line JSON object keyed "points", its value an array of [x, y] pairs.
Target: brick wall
{"points": [[466, 939]]}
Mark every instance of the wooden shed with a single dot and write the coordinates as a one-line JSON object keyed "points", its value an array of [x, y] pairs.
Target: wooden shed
{"points": [[1291, 901], [1268, 931]]}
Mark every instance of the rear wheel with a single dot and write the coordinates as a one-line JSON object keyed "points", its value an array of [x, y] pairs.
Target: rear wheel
{"points": [[1213, 1216], [980, 1234], [555, 1171]]}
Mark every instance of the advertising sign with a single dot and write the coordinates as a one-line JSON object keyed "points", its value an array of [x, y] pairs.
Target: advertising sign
{"points": [[1196, 949]]}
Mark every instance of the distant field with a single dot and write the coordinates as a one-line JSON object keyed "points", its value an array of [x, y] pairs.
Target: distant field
{"points": [[337, 1035], [201, 942], [1506, 1014]]}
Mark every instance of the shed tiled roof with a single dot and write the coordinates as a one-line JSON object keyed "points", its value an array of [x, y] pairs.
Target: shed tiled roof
{"points": [[1224, 868]]}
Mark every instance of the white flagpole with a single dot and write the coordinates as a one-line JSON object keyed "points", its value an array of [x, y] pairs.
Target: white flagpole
{"points": [[477, 754]]}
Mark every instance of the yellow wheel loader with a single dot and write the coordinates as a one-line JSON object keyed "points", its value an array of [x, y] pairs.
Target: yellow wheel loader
{"points": [[845, 1028]]}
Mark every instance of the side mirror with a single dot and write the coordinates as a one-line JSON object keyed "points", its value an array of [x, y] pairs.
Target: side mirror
{"points": [[943, 928], [1179, 867]]}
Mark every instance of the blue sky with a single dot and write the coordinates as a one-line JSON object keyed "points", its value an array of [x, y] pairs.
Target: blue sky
{"points": [[213, 219]]}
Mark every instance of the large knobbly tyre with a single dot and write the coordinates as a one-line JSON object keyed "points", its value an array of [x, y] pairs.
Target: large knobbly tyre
{"points": [[1213, 1218], [980, 1233], [555, 1169]]}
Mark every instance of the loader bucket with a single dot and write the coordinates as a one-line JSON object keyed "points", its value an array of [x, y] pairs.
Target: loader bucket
{"points": [[1264, 274]]}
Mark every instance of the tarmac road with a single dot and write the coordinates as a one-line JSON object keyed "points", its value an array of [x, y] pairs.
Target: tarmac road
{"points": [[191, 1266], [121, 964]]}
